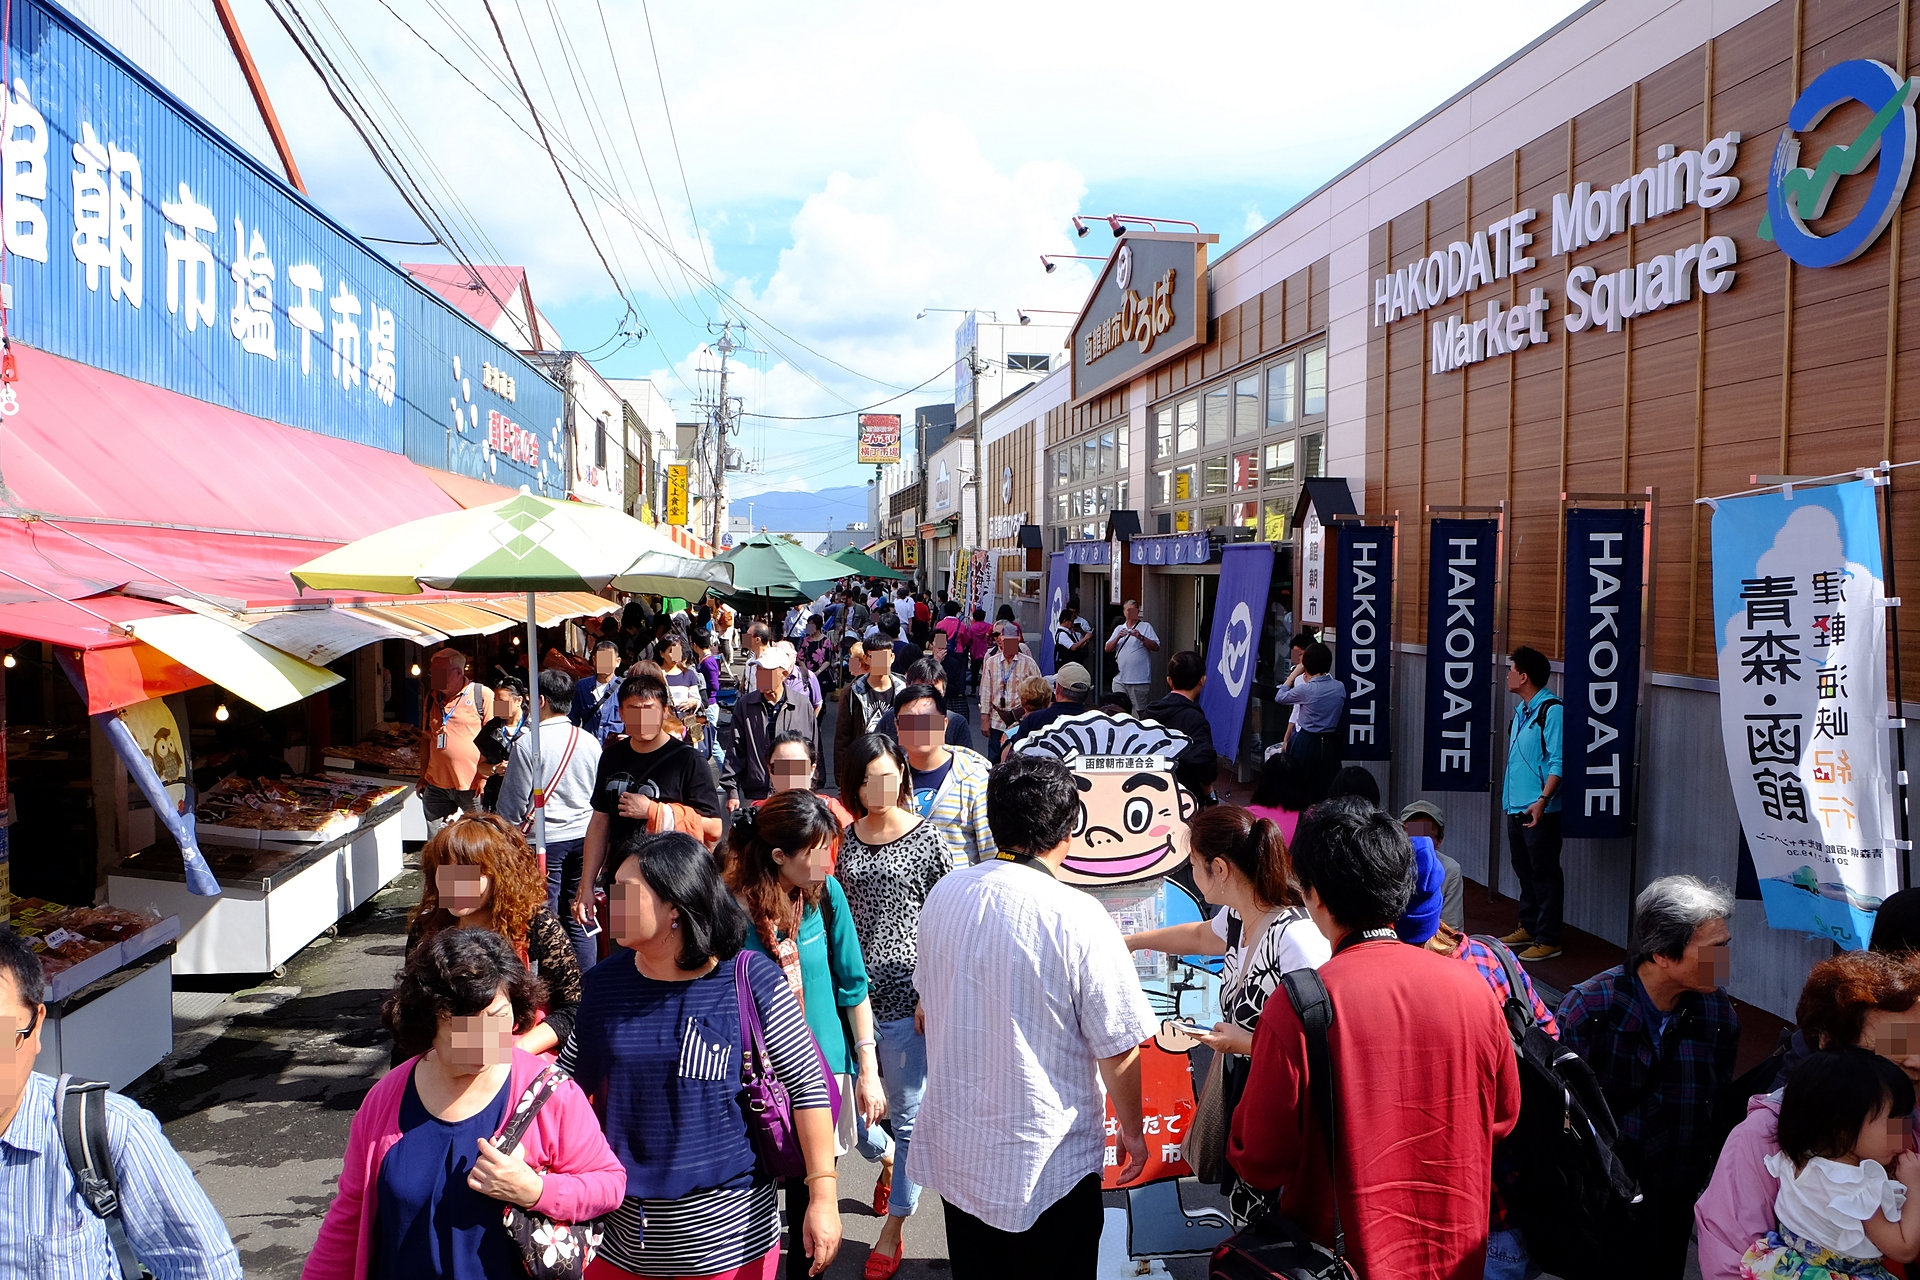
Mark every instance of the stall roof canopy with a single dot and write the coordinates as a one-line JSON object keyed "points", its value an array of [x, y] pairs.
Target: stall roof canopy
{"points": [[91, 443], [467, 491]]}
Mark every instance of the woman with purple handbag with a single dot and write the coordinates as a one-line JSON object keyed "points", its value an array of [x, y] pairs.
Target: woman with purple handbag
{"points": [[658, 1046]]}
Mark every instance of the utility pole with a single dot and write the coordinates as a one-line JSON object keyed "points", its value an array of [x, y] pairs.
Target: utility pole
{"points": [[723, 413], [975, 368]]}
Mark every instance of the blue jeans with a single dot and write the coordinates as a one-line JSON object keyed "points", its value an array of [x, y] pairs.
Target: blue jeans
{"points": [[903, 1073], [563, 884], [1508, 1259]]}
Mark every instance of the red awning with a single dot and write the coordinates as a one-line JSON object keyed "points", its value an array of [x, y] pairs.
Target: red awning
{"points": [[467, 491], [91, 443], [120, 670]]}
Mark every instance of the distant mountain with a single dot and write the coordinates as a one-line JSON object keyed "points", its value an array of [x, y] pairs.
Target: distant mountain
{"points": [[784, 511]]}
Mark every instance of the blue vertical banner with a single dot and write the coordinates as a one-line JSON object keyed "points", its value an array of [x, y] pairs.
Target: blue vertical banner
{"points": [[1605, 554], [1056, 601], [1363, 653], [1246, 573], [1801, 628], [1462, 566]]}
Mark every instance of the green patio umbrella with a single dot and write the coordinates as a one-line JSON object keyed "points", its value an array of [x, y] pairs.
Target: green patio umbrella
{"points": [[858, 561], [764, 561], [523, 543]]}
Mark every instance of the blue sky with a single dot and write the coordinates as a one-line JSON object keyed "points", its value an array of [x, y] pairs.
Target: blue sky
{"points": [[846, 164]]}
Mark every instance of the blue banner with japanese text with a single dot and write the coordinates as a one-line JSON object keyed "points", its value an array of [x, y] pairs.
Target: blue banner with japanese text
{"points": [[1601, 688], [142, 242], [1462, 568], [1798, 603], [1246, 575], [1056, 601], [1363, 627]]}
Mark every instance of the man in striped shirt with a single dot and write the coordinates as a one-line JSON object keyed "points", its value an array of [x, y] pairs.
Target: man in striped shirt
{"points": [[949, 782], [46, 1230]]}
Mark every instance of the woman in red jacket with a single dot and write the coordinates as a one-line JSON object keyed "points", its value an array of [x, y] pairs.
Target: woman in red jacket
{"points": [[422, 1187]]}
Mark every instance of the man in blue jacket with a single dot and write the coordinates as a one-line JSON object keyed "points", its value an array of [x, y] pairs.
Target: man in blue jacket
{"points": [[1532, 802]]}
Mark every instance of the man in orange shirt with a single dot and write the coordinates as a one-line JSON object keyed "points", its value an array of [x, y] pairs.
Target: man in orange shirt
{"points": [[456, 710]]}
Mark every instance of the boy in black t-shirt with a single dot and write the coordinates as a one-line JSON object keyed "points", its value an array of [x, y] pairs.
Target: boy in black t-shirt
{"points": [[647, 767]]}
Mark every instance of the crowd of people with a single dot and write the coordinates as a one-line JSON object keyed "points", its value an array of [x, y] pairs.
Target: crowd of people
{"points": [[725, 975]]}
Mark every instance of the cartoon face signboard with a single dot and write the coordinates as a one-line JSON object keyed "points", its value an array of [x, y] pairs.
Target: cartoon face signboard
{"points": [[1133, 813]]}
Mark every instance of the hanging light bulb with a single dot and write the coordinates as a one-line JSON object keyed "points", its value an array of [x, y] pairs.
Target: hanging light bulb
{"points": [[9, 662], [414, 670], [516, 640], [221, 713]]}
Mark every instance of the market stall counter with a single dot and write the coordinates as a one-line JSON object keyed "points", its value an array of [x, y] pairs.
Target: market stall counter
{"points": [[279, 889], [394, 750], [109, 987]]}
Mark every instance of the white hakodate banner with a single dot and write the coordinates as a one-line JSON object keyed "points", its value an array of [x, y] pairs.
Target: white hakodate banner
{"points": [[1799, 605]]}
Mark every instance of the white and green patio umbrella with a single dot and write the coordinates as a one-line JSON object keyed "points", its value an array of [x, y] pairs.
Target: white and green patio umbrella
{"points": [[525, 544]]}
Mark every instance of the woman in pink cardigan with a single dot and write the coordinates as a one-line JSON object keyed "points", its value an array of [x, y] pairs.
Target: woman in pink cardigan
{"points": [[422, 1188], [1858, 998]]}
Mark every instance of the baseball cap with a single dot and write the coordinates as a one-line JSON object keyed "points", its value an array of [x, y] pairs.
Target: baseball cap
{"points": [[1072, 678], [1424, 809], [776, 656]]}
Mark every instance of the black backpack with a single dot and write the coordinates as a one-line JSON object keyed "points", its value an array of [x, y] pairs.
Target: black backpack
{"points": [[1572, 1197], [81, 1106]]}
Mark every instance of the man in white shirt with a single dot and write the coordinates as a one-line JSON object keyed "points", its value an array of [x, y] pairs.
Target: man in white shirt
{"points": [[569, 761], [1133, 645], [903, 608], [1031, 1005]]}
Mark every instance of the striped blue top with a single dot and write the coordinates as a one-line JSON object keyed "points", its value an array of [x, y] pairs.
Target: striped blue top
{"points": [[46, 1231], [661, 1061]]}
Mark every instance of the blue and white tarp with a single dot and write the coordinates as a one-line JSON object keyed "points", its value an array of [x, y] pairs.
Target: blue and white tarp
{"points": [[1246, 574], [1797, 601]]}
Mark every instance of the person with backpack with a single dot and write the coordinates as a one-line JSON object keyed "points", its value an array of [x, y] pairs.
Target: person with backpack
{"points": [[1419, 1063], [569, 762], [1661, 1037], [140, 1204], [1532, 802], [1857, 998]]}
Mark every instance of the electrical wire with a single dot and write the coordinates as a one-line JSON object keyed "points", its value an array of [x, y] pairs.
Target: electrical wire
{"points": [[548, 147], [667, 111], [817, 417]]}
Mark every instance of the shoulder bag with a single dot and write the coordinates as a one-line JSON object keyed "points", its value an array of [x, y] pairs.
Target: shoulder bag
{"points": [[550, 1250], [764, 1099], [83, 1133], [1279, 1248], [1213, 1116], [542, 793]]}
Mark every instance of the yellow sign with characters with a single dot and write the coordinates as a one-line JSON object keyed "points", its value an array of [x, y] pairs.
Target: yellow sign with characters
{"points": [[677, 494]]}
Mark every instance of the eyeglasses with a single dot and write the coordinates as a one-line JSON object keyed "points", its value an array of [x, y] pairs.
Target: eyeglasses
{"points": [[20, 1036]]}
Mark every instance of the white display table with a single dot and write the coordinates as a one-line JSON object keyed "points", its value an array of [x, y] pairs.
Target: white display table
{"points": [[274, 898], [110, 1017]]}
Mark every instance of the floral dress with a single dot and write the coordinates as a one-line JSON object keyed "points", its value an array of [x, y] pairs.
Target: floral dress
{"points": [[1822, 1210]]}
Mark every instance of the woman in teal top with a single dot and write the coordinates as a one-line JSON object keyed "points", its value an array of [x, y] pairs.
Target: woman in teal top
{"points": [[778, 858]]}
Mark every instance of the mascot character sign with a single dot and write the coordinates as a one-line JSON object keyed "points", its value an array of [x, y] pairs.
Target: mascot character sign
{"points": [[1133, 811]]}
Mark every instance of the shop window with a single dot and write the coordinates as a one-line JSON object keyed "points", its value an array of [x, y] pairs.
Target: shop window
{"points": [[1163, 486], [1184, 486], [1246, 471], [1183, 522], [1213, 476], [1313, 456], [1219, 411], [1120, 502], [1060, 468], [1277, 513], [1246, 515], [1189, 424], [1106, 500], [1122, 441], [1213, 517], [1027, 363], [1109, 454], [1163, 432], [1246, 406], [1087, 501], [1316, 380], [1074, 464], [1280, 386], [1279, 462], [1059, 508], [600, 444]]}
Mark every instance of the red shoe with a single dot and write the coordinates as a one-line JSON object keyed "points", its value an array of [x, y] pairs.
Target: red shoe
{"points": [[881, 1267], [882, 1190]]}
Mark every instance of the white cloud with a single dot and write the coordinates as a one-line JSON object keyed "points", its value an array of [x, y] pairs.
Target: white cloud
{"points": [[1255, 219]]}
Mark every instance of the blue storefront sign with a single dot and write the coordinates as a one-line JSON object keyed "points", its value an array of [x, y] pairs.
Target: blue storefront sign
{"points": [[1463, 558], [1363, 655], [1088, 553], [1171, 548], [1602, 685], [1246, 574], [142, 242]]}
